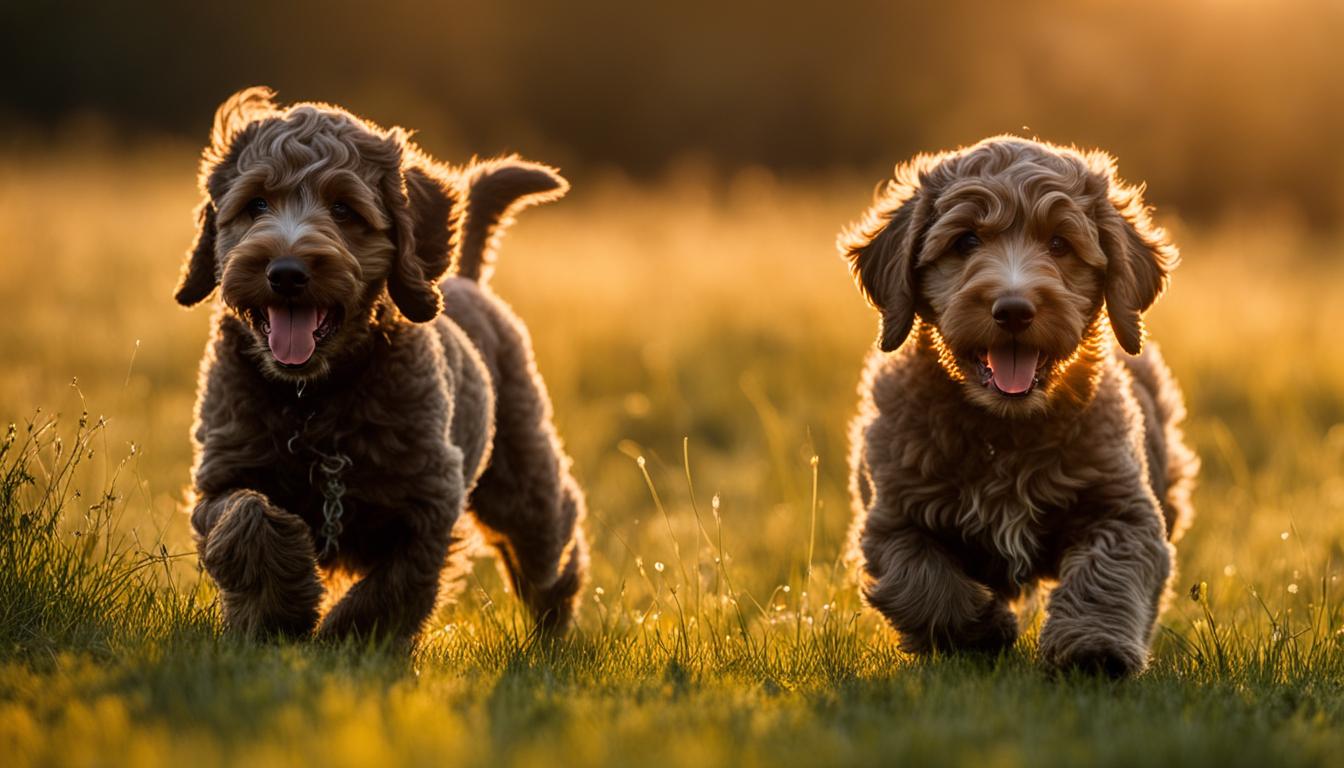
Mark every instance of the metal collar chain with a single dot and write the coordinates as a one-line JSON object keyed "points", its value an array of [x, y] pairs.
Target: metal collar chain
{"points": [[331, 467], [325, 474]]}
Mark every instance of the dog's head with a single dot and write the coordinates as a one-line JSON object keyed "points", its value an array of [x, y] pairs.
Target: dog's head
{"points": [[1008, 252], [314, 222]]}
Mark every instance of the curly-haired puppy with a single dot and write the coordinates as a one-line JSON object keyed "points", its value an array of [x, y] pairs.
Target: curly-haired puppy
{"points": [[351, 404], [1002, 439]]}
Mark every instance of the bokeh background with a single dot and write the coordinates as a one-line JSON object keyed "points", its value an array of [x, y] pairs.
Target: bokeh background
{"points": [[1221, 105], [689, 286]]}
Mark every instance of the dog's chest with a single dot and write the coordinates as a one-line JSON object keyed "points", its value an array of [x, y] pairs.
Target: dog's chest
{"points": [[994, 500], [341, 471]]}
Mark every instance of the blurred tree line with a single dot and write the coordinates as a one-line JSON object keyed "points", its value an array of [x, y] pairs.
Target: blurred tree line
{"points": [[1223, 106]]}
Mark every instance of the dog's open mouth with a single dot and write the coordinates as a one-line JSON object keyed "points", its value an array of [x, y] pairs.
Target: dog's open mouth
{"points": [[293, 331], [1011, 369]]}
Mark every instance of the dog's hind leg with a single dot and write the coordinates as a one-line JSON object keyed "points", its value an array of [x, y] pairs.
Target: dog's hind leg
{"points": [[526, 503], [262, 559], [530, 510]]}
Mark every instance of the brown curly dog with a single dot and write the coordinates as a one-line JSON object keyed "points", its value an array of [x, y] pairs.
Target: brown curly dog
{"points": [[351, 404], [1005, 441]]}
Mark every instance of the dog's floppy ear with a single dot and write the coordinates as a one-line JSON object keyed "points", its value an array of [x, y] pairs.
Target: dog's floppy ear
{"points": [[198, 278], [881, 249], [233, 122], [424, 224], [1139, 256]]}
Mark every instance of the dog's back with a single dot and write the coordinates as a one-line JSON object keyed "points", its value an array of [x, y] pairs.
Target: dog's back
{"points": [[485, 343], [473, 421]]}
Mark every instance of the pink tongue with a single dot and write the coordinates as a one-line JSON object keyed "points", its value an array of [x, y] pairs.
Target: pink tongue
{"points": [[291, 337], [1013, 366]]}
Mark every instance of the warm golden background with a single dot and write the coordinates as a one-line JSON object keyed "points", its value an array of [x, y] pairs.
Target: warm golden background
{"points": [[689, 288]]}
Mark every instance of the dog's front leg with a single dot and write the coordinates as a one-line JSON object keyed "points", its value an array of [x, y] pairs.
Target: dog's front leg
{"points": [[1101, 616], [928, 597], [261, 557], [393, 600]]}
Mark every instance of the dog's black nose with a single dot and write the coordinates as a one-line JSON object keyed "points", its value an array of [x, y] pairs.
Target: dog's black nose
{"points": [[287, 276], [1014, 313]]}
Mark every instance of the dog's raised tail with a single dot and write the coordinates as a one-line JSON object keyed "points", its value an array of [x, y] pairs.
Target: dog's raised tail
{"points": [[493, 191]]}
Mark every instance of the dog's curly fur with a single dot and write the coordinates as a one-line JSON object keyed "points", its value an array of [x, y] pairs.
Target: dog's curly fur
{"points": [[966, 494], [420, 396]]}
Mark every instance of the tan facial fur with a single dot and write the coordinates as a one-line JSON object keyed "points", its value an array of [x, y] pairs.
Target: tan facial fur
{"points": [[1010, 219]]}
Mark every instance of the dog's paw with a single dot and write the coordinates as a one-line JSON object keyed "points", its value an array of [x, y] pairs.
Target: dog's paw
{"points": [[993, 631], [262, 559], [254, 545], [339, 624], [1092, 651], [365, 623], [553, 607]]}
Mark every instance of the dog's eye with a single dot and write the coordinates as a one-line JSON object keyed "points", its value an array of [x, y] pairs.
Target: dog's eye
{"points": [[340, 211], [258, 206], [1060, 247], [968, 242]]}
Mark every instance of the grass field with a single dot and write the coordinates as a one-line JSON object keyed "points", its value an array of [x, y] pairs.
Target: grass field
{"points": [[707, 326]]}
